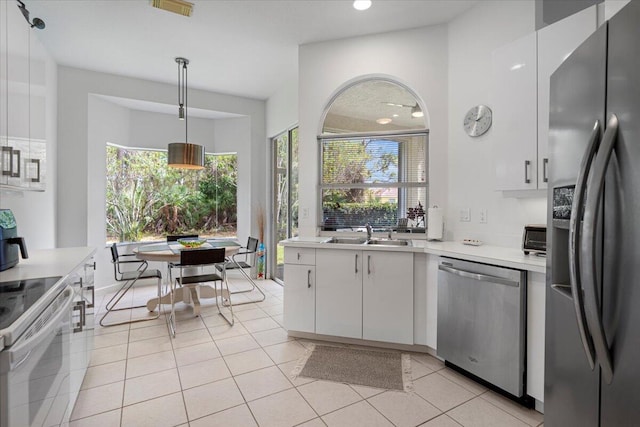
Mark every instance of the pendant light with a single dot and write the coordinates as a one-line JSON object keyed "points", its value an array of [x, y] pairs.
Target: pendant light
{"points": [[182, 154]]}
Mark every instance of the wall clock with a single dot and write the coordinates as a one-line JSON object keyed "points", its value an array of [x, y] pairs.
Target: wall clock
{"points": [[477, 120]]}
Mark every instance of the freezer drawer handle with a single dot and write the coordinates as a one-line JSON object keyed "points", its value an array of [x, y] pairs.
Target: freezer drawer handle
{"points": [[595, 188], [479, 276], [577, 210]]}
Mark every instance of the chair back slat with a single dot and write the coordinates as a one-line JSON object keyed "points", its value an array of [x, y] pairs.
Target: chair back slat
{"points": [[252, 244], [174, 238], [114, 253], [202, 256]]}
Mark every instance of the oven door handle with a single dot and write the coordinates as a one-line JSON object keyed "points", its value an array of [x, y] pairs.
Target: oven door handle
{"points": [[19, 353]]}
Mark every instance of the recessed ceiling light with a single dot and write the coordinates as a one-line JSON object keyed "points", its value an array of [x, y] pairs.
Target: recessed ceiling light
{"points": [[396, 115], [361, 4], [384, 121]]}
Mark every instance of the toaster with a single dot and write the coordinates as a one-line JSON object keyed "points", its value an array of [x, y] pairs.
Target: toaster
{"points": [[534, 239]]}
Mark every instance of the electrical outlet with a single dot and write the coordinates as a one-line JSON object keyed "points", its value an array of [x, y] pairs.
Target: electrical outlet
{"points": [[465, 215], [483, 216], [305, 213]]}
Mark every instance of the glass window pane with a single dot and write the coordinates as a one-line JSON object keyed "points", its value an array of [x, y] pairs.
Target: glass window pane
{"points": [[146, 200], [374, 105]]}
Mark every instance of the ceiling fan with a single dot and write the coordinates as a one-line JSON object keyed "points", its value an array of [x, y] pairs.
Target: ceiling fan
{"points": [[416, 111]]}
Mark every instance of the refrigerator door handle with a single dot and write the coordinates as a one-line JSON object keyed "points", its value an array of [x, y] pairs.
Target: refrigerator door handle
{"points": [[588, 251], [577, 210]]}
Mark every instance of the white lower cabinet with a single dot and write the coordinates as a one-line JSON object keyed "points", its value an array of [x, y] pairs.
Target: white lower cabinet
{"points": [[299, 290], [365, 294], [387, 297], [339, 293]]}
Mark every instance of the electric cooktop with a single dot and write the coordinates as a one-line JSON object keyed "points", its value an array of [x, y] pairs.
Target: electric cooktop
{"points": [[17, 296]]}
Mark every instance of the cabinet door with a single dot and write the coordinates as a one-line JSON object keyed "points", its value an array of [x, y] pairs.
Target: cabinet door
{"points": [[17, 98], [555, 44], [3, 88], [339, 293], [515, 127], [387, 297], [35, 162], [299, 297]]}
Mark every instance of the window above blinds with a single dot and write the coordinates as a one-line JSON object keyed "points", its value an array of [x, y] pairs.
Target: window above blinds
{"points": [[388, 160]]}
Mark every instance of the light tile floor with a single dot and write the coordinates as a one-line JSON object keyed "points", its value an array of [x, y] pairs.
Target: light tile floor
{"points": [[215, 375]]}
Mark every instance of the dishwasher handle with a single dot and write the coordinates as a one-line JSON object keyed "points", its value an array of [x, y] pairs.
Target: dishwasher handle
{"points": [[479, 276]]}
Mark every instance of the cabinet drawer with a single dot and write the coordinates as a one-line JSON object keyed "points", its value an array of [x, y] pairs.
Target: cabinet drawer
{"points": [[306, 256]]}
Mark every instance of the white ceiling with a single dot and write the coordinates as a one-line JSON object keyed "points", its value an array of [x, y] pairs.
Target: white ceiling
{"points": [[243, 47]]}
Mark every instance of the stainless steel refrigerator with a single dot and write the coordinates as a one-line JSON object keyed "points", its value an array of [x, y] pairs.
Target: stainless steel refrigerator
{"points": [[592, 351]]}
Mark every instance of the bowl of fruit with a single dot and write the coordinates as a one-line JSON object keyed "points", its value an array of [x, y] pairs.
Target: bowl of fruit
{"points": [[192, 243]]}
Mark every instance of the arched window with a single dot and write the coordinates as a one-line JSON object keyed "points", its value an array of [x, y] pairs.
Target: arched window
{"points": [[374, 158]]}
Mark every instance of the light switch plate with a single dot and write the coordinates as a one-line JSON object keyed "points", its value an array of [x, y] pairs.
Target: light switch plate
{"points": [[305, 213], [483, 216], [465, 215]]}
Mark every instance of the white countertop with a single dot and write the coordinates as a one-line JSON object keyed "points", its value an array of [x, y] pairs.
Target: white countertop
{"points": [[47, 263], [496, 255]]}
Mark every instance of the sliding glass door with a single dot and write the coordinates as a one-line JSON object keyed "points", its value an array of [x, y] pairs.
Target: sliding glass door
{"points": [[285, 197]]}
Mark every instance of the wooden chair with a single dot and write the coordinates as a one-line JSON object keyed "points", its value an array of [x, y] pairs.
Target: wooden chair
{"points": [[128, 278], [190, 258]]}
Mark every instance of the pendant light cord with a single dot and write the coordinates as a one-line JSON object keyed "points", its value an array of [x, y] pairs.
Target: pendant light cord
{"points": [[186, 116]]}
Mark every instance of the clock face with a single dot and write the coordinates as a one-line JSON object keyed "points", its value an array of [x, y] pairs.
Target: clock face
{"points": [[478, 120]]}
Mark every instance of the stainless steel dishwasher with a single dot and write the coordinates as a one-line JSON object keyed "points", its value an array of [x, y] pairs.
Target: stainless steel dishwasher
{"points": [[481, 322]]}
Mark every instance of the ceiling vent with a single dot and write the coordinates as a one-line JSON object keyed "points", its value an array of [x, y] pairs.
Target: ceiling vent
{"points": [[176, 6]]}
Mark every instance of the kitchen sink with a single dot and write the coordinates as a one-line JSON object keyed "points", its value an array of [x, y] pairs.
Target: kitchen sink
{"points": [[347, 240], [389, 242]]}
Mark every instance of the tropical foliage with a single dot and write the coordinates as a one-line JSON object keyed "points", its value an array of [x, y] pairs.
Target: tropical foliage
{"points": [[358, 161], [146, 199]]}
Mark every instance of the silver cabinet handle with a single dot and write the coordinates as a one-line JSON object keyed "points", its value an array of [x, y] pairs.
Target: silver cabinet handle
{"points": [[589, 248], [527, 163], [545, 164], [308, 278], [93, 296], [9, 153], [7, 158], [577, 209], [479, 276], [368, 264], [356, 263], [79, 306], [37, 163]]}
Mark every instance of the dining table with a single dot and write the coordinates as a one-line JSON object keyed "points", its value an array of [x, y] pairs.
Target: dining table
{"points": [[169, 252]]}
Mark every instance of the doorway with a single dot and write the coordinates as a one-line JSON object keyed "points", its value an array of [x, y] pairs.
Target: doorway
{"points": [[285, 197]]}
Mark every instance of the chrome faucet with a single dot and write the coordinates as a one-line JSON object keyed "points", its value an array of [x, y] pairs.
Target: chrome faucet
{"points": [[389, 231], [369, 230]]}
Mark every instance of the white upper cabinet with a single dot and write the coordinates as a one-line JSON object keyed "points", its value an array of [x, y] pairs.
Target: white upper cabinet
{"points": [[520, 98], [23, 102], [515, 114], [555, 43]]}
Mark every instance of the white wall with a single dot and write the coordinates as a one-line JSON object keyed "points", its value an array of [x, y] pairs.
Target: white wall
{"points": [[282, 109], [155, 130], [86, 123], [107, 122], [35, 212], [228, 137], [472, 38], [417, 58]]}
